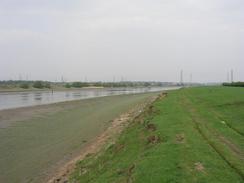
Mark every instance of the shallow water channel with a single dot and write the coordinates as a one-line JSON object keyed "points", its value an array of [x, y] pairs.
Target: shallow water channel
{"points": [[9, 100]]}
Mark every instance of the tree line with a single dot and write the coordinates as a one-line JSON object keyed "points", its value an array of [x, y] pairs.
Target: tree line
{"points": [[77, 84], [235, 84]]}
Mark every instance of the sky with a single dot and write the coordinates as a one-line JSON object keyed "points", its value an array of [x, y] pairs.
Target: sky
{"points": [[106, 40]]}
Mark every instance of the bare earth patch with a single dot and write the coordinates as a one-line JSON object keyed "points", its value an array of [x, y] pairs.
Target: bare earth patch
{"points": [[199, 167], [153, 139], [180, 138]]}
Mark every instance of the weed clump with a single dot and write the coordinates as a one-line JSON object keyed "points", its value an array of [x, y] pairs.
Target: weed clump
{"points": [[151, 127], [162, 95], [128, 171], [83, 170], [180, 138], [118, 148], [153, 139]]}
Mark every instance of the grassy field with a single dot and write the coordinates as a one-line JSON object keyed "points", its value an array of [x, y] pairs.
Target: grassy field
{"points": [[34, 140], [190, 135]]}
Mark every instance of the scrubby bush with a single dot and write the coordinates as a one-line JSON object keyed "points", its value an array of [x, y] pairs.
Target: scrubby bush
{"points": [[79, 84], [47, 85], [97, 84], [24, 85], [38, 84], [41, 84], [147, 84], [67, 85]]}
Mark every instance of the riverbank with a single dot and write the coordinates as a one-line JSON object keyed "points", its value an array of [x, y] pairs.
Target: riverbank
{"points": [[191, 135], [36, 141], [109, 136]]}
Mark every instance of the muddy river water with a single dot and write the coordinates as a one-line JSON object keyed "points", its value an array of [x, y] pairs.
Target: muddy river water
{"points": [[9, 100]]}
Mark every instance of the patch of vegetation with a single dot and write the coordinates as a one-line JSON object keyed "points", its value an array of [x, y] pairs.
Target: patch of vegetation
{"points": [[79, 84], [236, 84], [67, 85], [38, 84], [41, 85], [183, 137], [24, 85], [47, 85]]}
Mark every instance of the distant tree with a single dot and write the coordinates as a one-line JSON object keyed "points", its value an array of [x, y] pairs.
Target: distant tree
{"points": [[67, 85], [79, 84], [47, 85], [147, 84], [76, 84], [24, 85], [236, 84], [97, 84], [38, 84]]}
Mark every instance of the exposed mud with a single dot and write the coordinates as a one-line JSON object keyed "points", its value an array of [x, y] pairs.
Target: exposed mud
{"points": [[110, 134], [10, 116]]}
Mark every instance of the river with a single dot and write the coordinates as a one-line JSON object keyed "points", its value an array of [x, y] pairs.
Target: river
{"points": [[9, 100]]}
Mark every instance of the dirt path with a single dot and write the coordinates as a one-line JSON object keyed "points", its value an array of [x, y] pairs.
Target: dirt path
{"points": [[109, 135]]}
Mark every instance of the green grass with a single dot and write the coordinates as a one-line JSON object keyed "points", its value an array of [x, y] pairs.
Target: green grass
{"points": [[201, 141], [30, 148]]}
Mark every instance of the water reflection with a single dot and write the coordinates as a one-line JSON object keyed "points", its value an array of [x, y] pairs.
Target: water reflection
{"points": [[76, 94], [95, 93], [21, 99], [67, 94], [38, 96], [25, 96]]}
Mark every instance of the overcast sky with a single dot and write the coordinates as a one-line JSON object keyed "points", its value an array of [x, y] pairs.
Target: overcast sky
{"points": [[133, 39]]}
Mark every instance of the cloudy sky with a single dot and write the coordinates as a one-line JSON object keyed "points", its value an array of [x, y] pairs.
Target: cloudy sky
{"points": [[129, 39]]}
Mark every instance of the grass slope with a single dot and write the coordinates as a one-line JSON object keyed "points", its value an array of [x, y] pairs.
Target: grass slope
{"points": [[192, 135], [29, 148]]}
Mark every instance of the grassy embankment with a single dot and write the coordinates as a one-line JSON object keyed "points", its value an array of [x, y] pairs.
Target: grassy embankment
{"points": [[34, 139], [191, 135]]}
